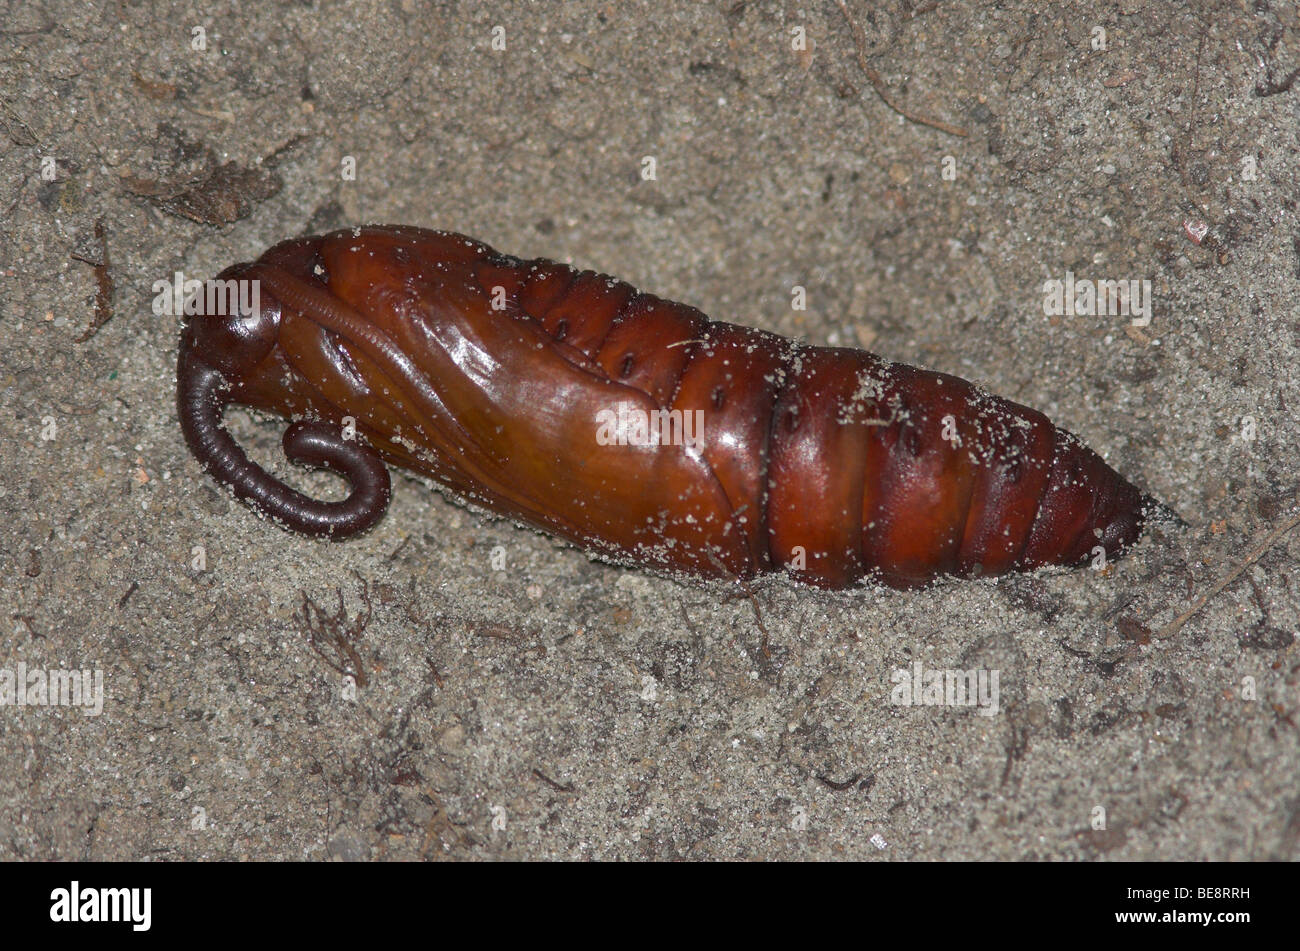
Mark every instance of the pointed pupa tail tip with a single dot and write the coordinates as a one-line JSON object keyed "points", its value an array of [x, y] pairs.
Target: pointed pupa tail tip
{"points": [[1155, 512]]}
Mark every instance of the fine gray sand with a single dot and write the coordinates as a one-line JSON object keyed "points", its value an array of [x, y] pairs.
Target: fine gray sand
{"points": [[544, 705]]}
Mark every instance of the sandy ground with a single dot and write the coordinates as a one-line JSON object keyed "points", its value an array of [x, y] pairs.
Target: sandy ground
{"points": [[556, 707]]}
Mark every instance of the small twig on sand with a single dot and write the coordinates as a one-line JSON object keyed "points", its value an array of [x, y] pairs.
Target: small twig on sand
{"points": [[860, 41], [103, 285], [1173, 626]]}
